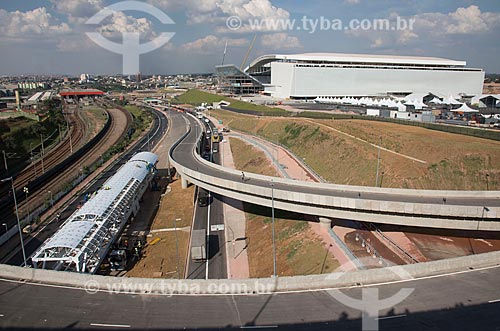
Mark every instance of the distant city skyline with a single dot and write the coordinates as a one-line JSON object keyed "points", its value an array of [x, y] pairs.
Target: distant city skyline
{"points": [[49, 36]]}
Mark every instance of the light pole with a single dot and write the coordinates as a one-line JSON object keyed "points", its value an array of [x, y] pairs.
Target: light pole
{"points": [[378, 162], [177, 248], [274, 229], [277, 151], [485, 209], [17, 216], [6, 228], [487, 182], [43, 154], [25, 190], [211, 150]]}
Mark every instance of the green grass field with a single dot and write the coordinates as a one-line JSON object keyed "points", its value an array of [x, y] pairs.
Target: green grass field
{"points": [[197, 97], [142, 119], [453, 161]]}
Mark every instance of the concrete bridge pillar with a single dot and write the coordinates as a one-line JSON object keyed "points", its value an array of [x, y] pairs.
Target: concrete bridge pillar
{"points": [[326, 222], [184, 182]]}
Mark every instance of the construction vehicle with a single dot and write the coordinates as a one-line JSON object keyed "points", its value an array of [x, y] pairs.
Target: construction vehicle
{"points": [[215, 137]]}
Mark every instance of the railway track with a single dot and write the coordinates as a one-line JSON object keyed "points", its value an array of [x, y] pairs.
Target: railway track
{"points": [[56, 155], [54, 183], [11, 253]]}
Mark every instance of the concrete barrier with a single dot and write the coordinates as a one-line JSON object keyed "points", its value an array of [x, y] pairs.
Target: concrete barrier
{"points": [[92, 283]]}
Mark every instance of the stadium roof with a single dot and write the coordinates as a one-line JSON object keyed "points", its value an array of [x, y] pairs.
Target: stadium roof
{"points": [[361, 58]]}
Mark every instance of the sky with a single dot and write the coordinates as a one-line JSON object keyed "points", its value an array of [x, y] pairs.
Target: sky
{"points": [[50, 36]]}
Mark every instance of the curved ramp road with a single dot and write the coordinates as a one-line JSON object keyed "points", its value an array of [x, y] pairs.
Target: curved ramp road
{"points": [[465, 210]]}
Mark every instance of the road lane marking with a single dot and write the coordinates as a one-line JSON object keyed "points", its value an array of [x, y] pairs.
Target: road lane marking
{"points": [[208, 231], [123, 326], [259, 327], [494, 301], [390, 317]]}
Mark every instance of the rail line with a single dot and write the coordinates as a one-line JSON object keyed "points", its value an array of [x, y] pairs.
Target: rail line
{"points": [[56, 155], [68, 172], [87, 158]]}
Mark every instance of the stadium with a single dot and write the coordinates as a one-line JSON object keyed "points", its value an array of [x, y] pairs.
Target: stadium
{"points": [[312, 75]]}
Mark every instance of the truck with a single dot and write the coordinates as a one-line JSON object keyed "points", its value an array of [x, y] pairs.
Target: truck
{"points": [[199, 245]]}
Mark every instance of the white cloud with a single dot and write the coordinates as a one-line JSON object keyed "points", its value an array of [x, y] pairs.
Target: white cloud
{"points": [[468, 20], [212, 44], [210, 11], [119, 23], [78, 9], [352, 2], [433, 27], [277, 41], [31, 24], [379, 42]]}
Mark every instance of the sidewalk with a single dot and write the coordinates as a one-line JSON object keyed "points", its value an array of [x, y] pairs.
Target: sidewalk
{"points": [[235, 221], [289, 167]]}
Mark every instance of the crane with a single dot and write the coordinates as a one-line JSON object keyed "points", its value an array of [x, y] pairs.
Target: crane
{"points": [[248, 52]]}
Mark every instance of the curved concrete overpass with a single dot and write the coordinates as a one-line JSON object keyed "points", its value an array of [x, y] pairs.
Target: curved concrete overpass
{"points": [[466, 210]]}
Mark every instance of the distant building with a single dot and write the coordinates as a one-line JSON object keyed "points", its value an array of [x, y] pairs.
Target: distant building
{"points": [[84, 78], [77, 94], [32, 85], [312, 75]]}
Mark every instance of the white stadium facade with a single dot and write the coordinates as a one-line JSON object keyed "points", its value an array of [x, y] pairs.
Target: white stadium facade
{"points": [[312, 75]]}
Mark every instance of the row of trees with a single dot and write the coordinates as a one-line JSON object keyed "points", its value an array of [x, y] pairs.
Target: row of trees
{"points": [[16, 134]]}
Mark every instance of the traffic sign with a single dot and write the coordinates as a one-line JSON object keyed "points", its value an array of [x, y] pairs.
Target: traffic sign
{"points": [[217, 227]]}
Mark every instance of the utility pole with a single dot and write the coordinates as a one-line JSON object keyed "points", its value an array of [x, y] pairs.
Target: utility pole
{"points": [[5, 160], [177, 249], [32, 160], [70, 140], [17, 216], [25, 190], [43, 154], [274, 228], [378, 162]]}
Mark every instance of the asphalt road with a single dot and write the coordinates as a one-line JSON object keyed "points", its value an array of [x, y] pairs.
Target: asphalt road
{"points": [[183, 155], [464, 301], [11, 250], [217, 268]]}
